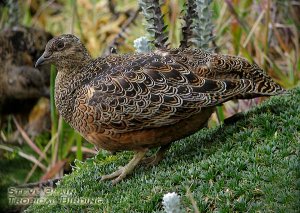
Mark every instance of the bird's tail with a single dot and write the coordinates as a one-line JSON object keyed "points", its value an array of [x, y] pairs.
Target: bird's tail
{"points": [[232, 67]]}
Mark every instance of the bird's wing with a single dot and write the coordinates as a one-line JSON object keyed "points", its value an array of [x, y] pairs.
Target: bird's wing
{"points": [[147, 91], [217, 66]]}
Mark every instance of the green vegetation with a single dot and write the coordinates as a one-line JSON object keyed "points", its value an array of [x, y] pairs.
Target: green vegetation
{"points": [[251, 165]]}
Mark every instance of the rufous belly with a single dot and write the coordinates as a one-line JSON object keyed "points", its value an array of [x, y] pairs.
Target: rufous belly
{"points": [[149, 138]]}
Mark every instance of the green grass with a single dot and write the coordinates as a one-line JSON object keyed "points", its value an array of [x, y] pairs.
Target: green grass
{"points": [[251, 165]]}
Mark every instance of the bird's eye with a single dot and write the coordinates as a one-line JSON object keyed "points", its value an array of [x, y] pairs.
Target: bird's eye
{"points": [[60, 45]]}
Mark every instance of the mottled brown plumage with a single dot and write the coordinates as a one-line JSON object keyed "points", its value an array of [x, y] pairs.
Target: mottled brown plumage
{"points": [[139, 101]]}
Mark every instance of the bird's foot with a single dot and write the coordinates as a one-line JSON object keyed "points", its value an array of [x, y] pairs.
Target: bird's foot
{"points": [[117, 176], [122, 172], [155, 159], [151, 161]]}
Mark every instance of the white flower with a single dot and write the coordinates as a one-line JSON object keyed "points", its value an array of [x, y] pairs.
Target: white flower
{"points": [[171, 203], [141, 44]]}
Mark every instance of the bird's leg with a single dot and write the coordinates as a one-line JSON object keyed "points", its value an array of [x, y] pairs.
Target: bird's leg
{"points": [[122, 172], [156, 158]]}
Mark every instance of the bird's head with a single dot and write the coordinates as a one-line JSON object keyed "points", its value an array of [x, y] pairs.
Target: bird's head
{"points": [[64, 51]]}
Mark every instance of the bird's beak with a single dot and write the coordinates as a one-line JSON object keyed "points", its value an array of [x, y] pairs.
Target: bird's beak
{"points": [[42, 60]]}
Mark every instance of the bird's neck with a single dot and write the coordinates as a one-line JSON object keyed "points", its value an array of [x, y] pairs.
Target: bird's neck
{"points": [[74, 65]]}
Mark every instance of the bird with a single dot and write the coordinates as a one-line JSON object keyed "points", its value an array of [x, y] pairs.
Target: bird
{"points": [[139, 101], [21, 85]]}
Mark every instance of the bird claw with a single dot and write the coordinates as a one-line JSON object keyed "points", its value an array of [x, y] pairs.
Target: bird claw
{"points": [[155, 159], [151, 161], [122, 172], [117, 176]]}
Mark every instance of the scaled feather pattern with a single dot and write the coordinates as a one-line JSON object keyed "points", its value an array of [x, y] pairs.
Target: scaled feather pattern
{"points": [[144, 100]]}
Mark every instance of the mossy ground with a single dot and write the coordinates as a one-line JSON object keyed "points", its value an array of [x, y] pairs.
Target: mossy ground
{"points": [[251, 165]]}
